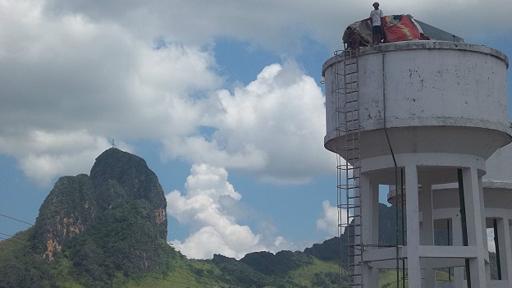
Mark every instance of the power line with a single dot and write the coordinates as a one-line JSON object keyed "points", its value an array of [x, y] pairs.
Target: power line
{"points": [[5, 236], [16, 219]]}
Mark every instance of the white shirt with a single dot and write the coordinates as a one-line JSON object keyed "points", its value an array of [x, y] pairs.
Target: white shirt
{"points": [[375, 15]]}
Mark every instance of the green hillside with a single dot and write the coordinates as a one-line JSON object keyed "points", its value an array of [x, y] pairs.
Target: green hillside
{"points": [[21, 267]]}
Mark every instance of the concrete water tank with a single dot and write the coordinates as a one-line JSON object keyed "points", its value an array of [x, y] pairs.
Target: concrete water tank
{"points": [[442, 97]]}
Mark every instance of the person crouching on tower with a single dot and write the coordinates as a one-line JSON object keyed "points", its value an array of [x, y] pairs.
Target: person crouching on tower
{"points": [[375, 18]]}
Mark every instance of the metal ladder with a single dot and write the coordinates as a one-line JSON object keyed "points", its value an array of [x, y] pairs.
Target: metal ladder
{"points": [[348, 162]]}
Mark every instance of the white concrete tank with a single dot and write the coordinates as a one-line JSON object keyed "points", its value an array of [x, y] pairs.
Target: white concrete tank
{"points": [[444, 97]]}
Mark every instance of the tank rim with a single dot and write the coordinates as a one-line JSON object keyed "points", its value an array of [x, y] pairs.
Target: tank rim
{"points": [[421, 45]]}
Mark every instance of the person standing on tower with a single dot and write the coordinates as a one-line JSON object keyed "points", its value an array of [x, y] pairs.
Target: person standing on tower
{"points": [[375, 18]]}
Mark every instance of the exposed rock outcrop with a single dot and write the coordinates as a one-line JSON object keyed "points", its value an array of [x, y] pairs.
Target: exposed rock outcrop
{"points": [[75, 204]]}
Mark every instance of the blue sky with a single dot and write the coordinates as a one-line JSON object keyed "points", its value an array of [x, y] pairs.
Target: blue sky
{"points": [[227, 109]]}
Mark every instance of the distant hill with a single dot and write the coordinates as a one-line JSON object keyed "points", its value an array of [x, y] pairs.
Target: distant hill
{"points": [[109, 229]]}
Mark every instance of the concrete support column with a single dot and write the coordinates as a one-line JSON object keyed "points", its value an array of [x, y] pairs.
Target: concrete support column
{"points": [[413, 233], [370, 226], [457, 241], [485, 250], [476, 226], [501, 248], [427, 229], [505, 249], [427, 223]]}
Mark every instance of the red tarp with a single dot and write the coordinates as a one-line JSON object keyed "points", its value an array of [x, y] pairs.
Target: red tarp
{"points": [[396, 28], [400, 28]]}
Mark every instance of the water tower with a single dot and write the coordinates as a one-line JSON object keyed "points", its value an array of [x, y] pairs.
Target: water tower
{"points": [[415, 114]]}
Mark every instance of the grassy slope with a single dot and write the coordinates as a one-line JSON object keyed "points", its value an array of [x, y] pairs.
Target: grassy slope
{"points": [[186, 276], [306, 275], [184, 273]]}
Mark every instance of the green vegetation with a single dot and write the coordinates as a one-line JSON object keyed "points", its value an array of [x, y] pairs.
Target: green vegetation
{"points": [[84, 264]]}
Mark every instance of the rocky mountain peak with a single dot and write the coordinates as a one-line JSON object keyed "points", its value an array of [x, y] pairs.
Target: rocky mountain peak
{"points": [[120, 185]]}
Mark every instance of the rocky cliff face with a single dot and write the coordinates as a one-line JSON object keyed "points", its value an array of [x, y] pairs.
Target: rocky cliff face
{"points": [[118, 182], [67, 211]]}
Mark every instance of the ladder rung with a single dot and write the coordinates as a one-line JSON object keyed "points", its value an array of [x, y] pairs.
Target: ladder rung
{"points": [[352, 104], [348, 206], [352, 158], [348, 225], [351, 101], [348, 186], [344, 187], [343, 110], [349, 168], [351, 148]]}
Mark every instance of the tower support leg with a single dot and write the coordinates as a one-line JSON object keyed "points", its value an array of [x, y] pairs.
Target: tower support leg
{"points": [[427, 229], [475, 216], [370, 227], [506, 247], [458, 272], [413, 233]]}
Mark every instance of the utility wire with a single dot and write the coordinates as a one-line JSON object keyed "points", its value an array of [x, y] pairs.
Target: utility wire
{"points": [[5, 236], [16, 219]]}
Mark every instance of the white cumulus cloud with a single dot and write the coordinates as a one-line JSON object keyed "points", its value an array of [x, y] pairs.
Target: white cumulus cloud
{"points": [[43, 155], [281, 25], [69, 83], [214, 229], [66, 72], [329, 221], [274, 125]]}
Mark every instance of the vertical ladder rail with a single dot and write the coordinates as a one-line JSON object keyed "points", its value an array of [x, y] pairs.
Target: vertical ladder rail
{"points": [[348, 162]]}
